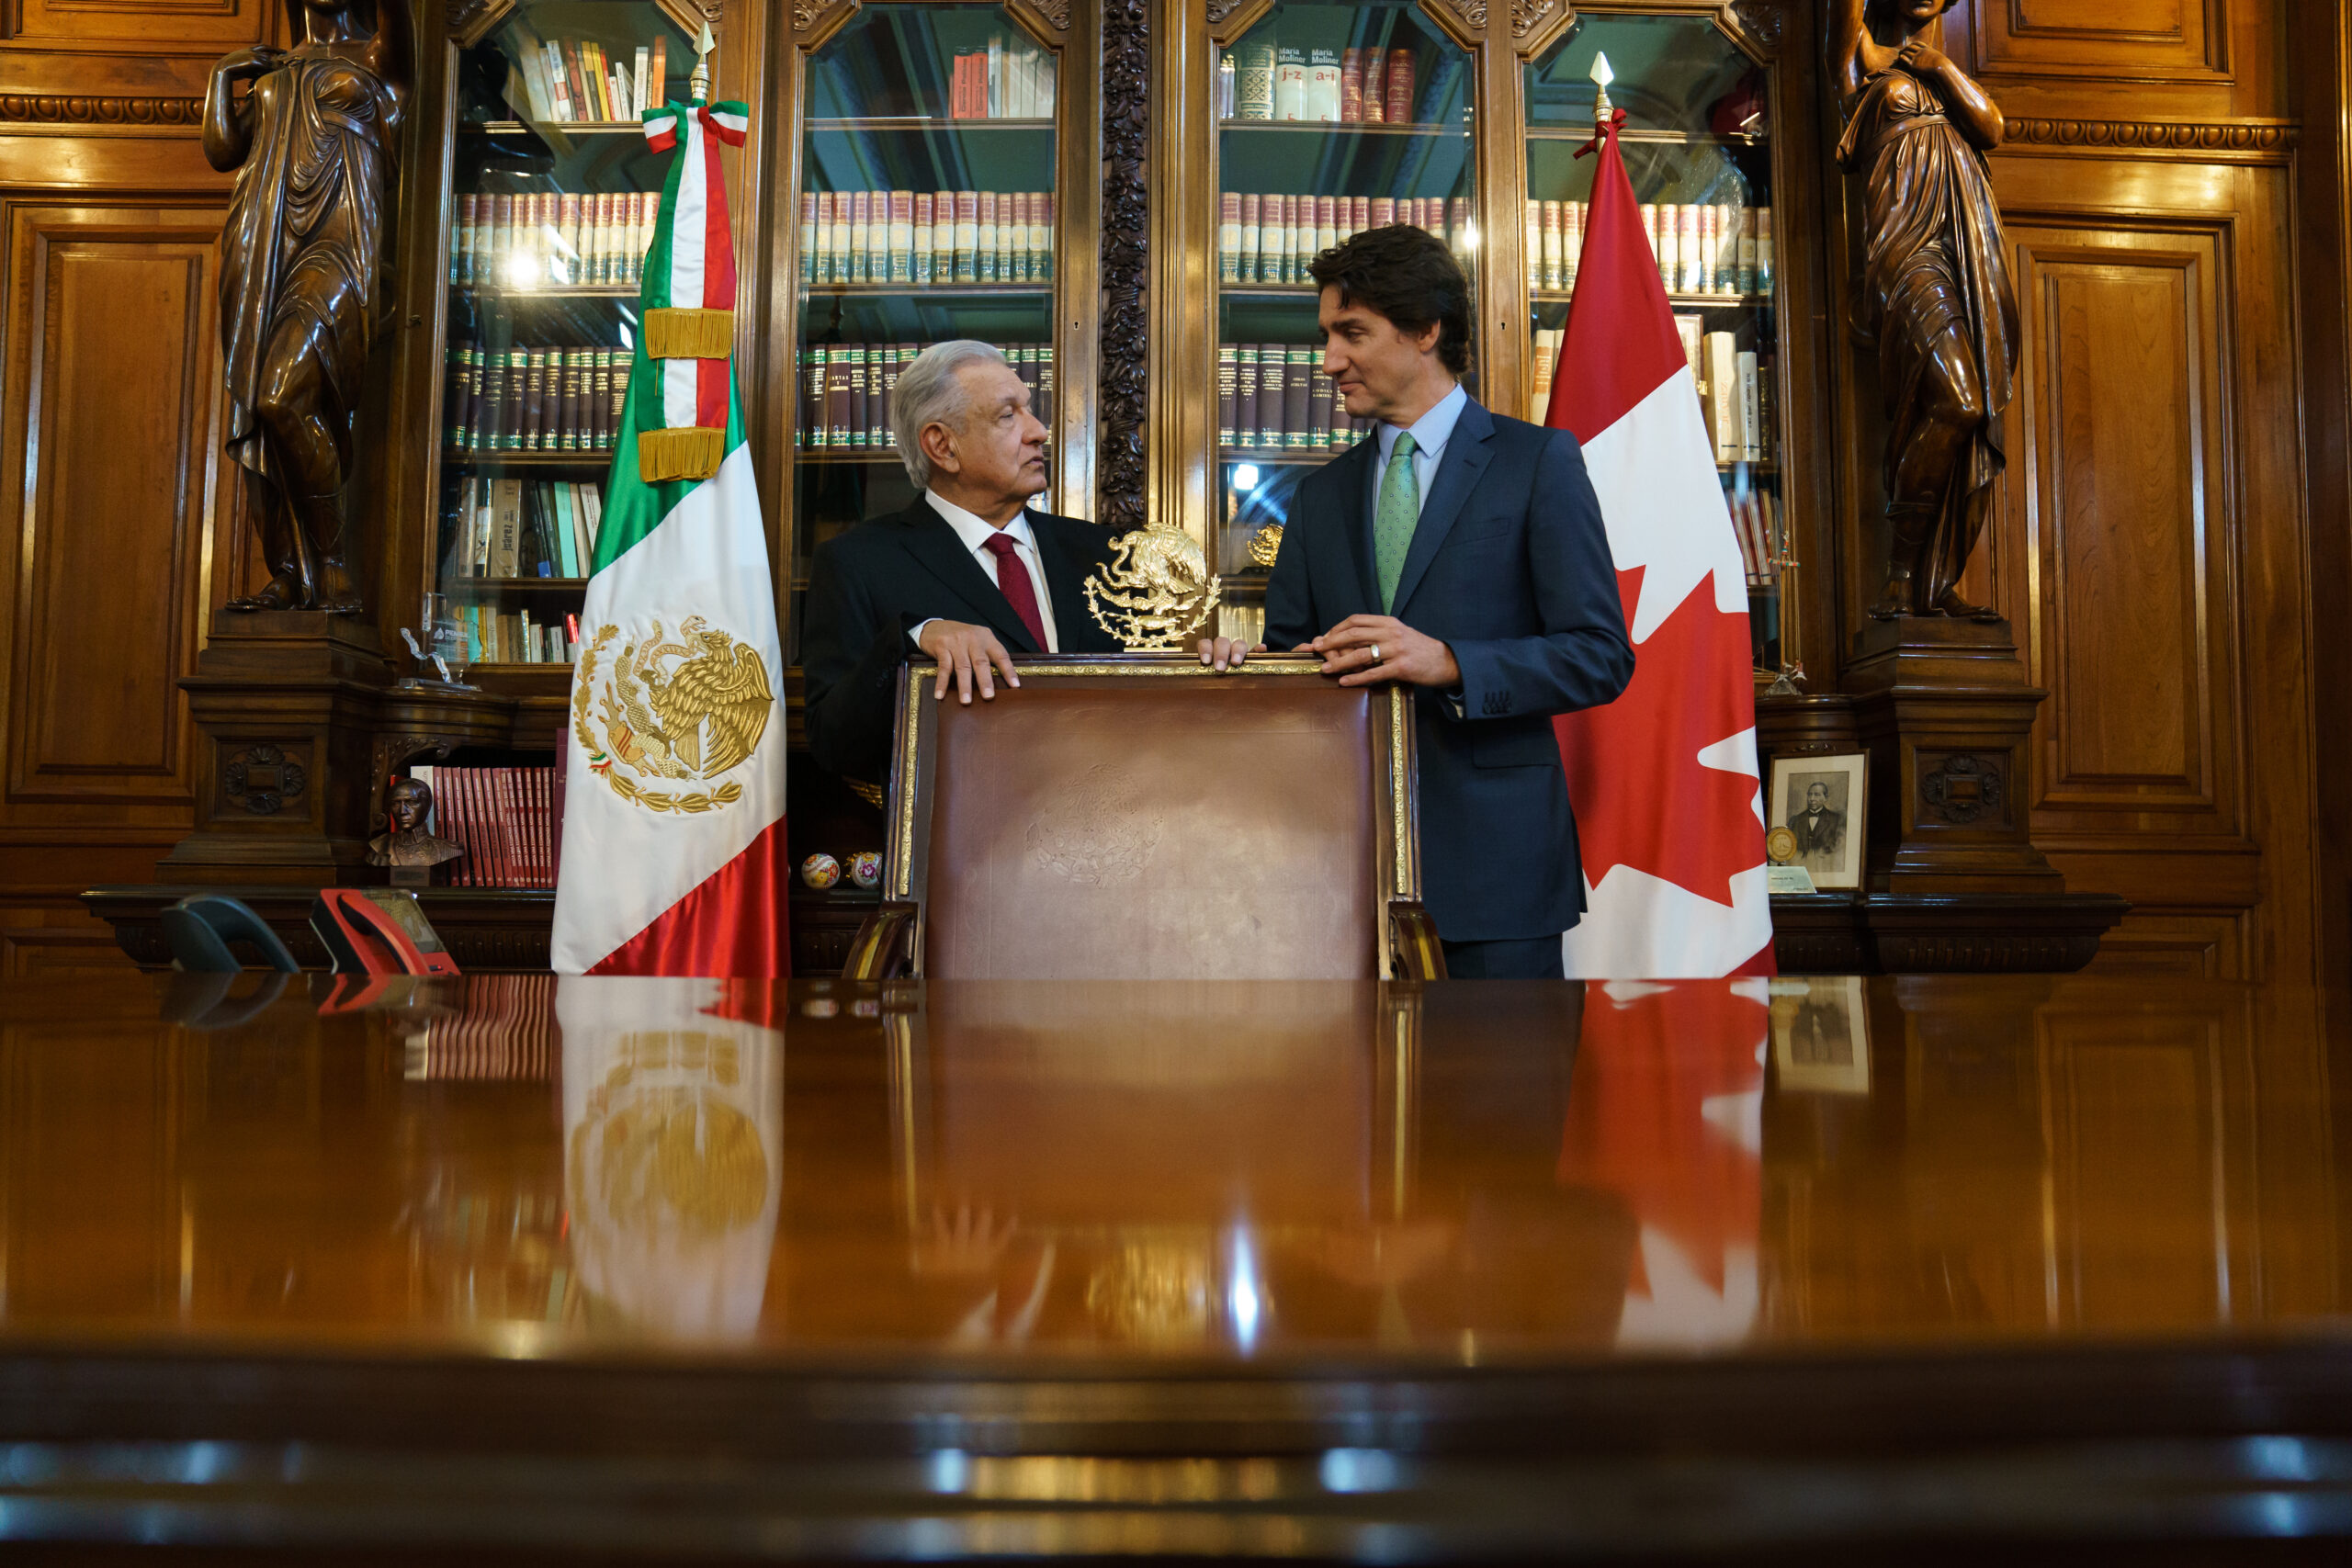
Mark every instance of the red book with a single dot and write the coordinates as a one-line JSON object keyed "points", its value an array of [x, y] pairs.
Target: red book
{"points": [[1375, 86], [479, 846], [542, 820], [558, 783], [1384, 211], [1352, 86], [449, 809], [1400, 86]]}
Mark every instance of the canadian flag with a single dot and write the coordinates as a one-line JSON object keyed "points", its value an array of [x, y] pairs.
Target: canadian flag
{"points": [[1669, 806]]}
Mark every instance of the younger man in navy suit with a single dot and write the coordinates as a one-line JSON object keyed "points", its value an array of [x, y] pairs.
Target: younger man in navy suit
{"points": [[1462, 553]]}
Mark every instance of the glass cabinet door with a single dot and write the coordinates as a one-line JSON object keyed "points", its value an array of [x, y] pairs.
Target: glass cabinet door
{"points": [[1331, 119], [552, 201], [1697, 146], [928, 211]]}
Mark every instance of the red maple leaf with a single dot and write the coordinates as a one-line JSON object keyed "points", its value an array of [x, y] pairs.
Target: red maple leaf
{"points": [[1642, 796]]}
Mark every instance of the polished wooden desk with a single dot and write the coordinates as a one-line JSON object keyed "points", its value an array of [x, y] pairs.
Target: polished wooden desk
{"points": [[1319, 1271]]}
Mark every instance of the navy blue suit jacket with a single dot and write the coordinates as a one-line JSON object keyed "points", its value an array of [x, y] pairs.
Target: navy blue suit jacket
{"points": [[1511, 568]]}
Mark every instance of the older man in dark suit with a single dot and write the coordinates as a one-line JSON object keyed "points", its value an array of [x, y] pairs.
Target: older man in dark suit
{"points": [[969, 574], [1462, 553]]}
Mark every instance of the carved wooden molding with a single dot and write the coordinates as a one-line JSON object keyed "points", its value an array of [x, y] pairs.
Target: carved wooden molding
{"points": [[1760, 20], [2259, 138], [1119, 484], [1220, 9], [76, 109], [1054, 14], [1526, 16], [808, 15], [1471, 13]]}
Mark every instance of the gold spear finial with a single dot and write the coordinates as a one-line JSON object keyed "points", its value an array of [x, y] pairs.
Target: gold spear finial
{"points": [[699, 84]]}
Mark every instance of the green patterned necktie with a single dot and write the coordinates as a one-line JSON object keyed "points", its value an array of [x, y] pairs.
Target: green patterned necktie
{"points": [[1393, 521]]}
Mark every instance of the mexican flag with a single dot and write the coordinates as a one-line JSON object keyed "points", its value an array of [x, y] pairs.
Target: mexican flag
{"points": [[674, 850], [1670, 805]]}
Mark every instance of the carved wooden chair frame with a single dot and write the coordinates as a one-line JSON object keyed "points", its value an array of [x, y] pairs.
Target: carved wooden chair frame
{"points": [[889, 945]]}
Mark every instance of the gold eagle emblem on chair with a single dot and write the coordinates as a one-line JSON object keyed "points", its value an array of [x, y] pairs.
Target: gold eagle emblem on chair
{"points": [[1156, 587], [649, 721]]}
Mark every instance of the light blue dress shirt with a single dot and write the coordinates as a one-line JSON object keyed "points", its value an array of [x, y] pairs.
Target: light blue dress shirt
{"points": [[1431, 433]]}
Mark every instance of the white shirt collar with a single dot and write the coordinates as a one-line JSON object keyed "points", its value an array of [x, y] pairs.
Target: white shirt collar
{"points": [[1431, 431], [975, 530]]}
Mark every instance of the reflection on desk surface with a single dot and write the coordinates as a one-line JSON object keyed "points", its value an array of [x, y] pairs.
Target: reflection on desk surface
{"points": [[1478, 1172]]}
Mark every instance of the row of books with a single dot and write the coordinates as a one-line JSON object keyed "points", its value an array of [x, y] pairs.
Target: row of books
{"points": [[1701, 247], [519, 636], [510, 527], [1735, 387], [538, 239], [503, 816], [847, 386], [1354, 87], [1273, 396], [527, 399], [1756, 523], [1271, 239], [1003, 81], [905, 236], [564, 80]]}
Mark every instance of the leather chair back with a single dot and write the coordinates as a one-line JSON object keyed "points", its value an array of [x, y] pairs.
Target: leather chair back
{"points": [[1136, 820]]}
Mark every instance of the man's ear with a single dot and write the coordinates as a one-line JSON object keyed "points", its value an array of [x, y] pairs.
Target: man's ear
{"points": [[1425, 341], [938, 444]]}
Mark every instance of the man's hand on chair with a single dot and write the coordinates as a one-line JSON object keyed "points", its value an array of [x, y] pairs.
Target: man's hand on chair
{"points": [[965, 654]]}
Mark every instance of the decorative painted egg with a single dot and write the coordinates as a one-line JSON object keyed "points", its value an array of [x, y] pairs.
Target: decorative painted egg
{"points": [[865, 868], [821, 871]]}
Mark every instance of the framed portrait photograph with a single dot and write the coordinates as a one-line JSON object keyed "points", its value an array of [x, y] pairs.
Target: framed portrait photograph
{"points": [[1821, 1041], [1820, 802]]}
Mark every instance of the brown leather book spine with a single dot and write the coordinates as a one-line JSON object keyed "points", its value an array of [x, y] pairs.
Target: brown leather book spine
{"points": [[616, 392], [568, 402], [454, 396], [493, 400], [1245, 394], [535, 401], [1400, 86], [838, 366], [1273, 363]]}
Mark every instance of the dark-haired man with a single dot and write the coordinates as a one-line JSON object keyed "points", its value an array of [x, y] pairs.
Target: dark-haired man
{"points": [[1460, 552]]}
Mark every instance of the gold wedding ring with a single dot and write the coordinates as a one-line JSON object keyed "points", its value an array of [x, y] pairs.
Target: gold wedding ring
{"points": [[1375, 653]]}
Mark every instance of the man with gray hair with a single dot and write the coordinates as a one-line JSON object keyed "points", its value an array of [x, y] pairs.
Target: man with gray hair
{"points": [[968, 574]]}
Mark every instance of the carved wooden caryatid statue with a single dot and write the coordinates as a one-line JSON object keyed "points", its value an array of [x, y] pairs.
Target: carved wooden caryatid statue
{"points": [[303, 278], [1935, 295]]}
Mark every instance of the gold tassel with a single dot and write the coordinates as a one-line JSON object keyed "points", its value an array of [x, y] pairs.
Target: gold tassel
{"points": [[689, 452], [679, 333]]}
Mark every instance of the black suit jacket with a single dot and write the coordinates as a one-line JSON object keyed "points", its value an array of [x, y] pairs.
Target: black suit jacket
{"points": [[1508, 567], [870, 587]]}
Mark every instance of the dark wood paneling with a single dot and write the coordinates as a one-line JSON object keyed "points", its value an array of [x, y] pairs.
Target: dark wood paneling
{"points": [[193, 27]]}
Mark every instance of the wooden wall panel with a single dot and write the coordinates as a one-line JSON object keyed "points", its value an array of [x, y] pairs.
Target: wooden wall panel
{"points": [[2151, 536], [2119, 398], [116, 301], [2155, 39]]}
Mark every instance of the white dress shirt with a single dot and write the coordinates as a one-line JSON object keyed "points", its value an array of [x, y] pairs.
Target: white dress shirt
{"points": [[976, 531]]}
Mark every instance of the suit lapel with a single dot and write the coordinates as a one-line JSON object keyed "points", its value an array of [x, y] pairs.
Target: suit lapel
{"points": [[1065, 583], [936, 548], [1354, 474], [1467, 455]]}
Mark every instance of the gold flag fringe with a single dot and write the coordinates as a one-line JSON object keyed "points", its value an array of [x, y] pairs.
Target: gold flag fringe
{"points": [[688, 452], [675, 333]]}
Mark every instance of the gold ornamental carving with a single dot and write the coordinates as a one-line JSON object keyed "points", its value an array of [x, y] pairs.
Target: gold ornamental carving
{"points": [[644, 721], [1265, 545], [1156, 588]]}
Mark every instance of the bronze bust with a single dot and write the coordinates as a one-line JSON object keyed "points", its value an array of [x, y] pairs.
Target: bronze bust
{"points": [[1936, 298], [406, 847], [304, 273]]}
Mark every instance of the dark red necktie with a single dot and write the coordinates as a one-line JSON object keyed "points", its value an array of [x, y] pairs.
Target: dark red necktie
{"points": [[1013, 577]]}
